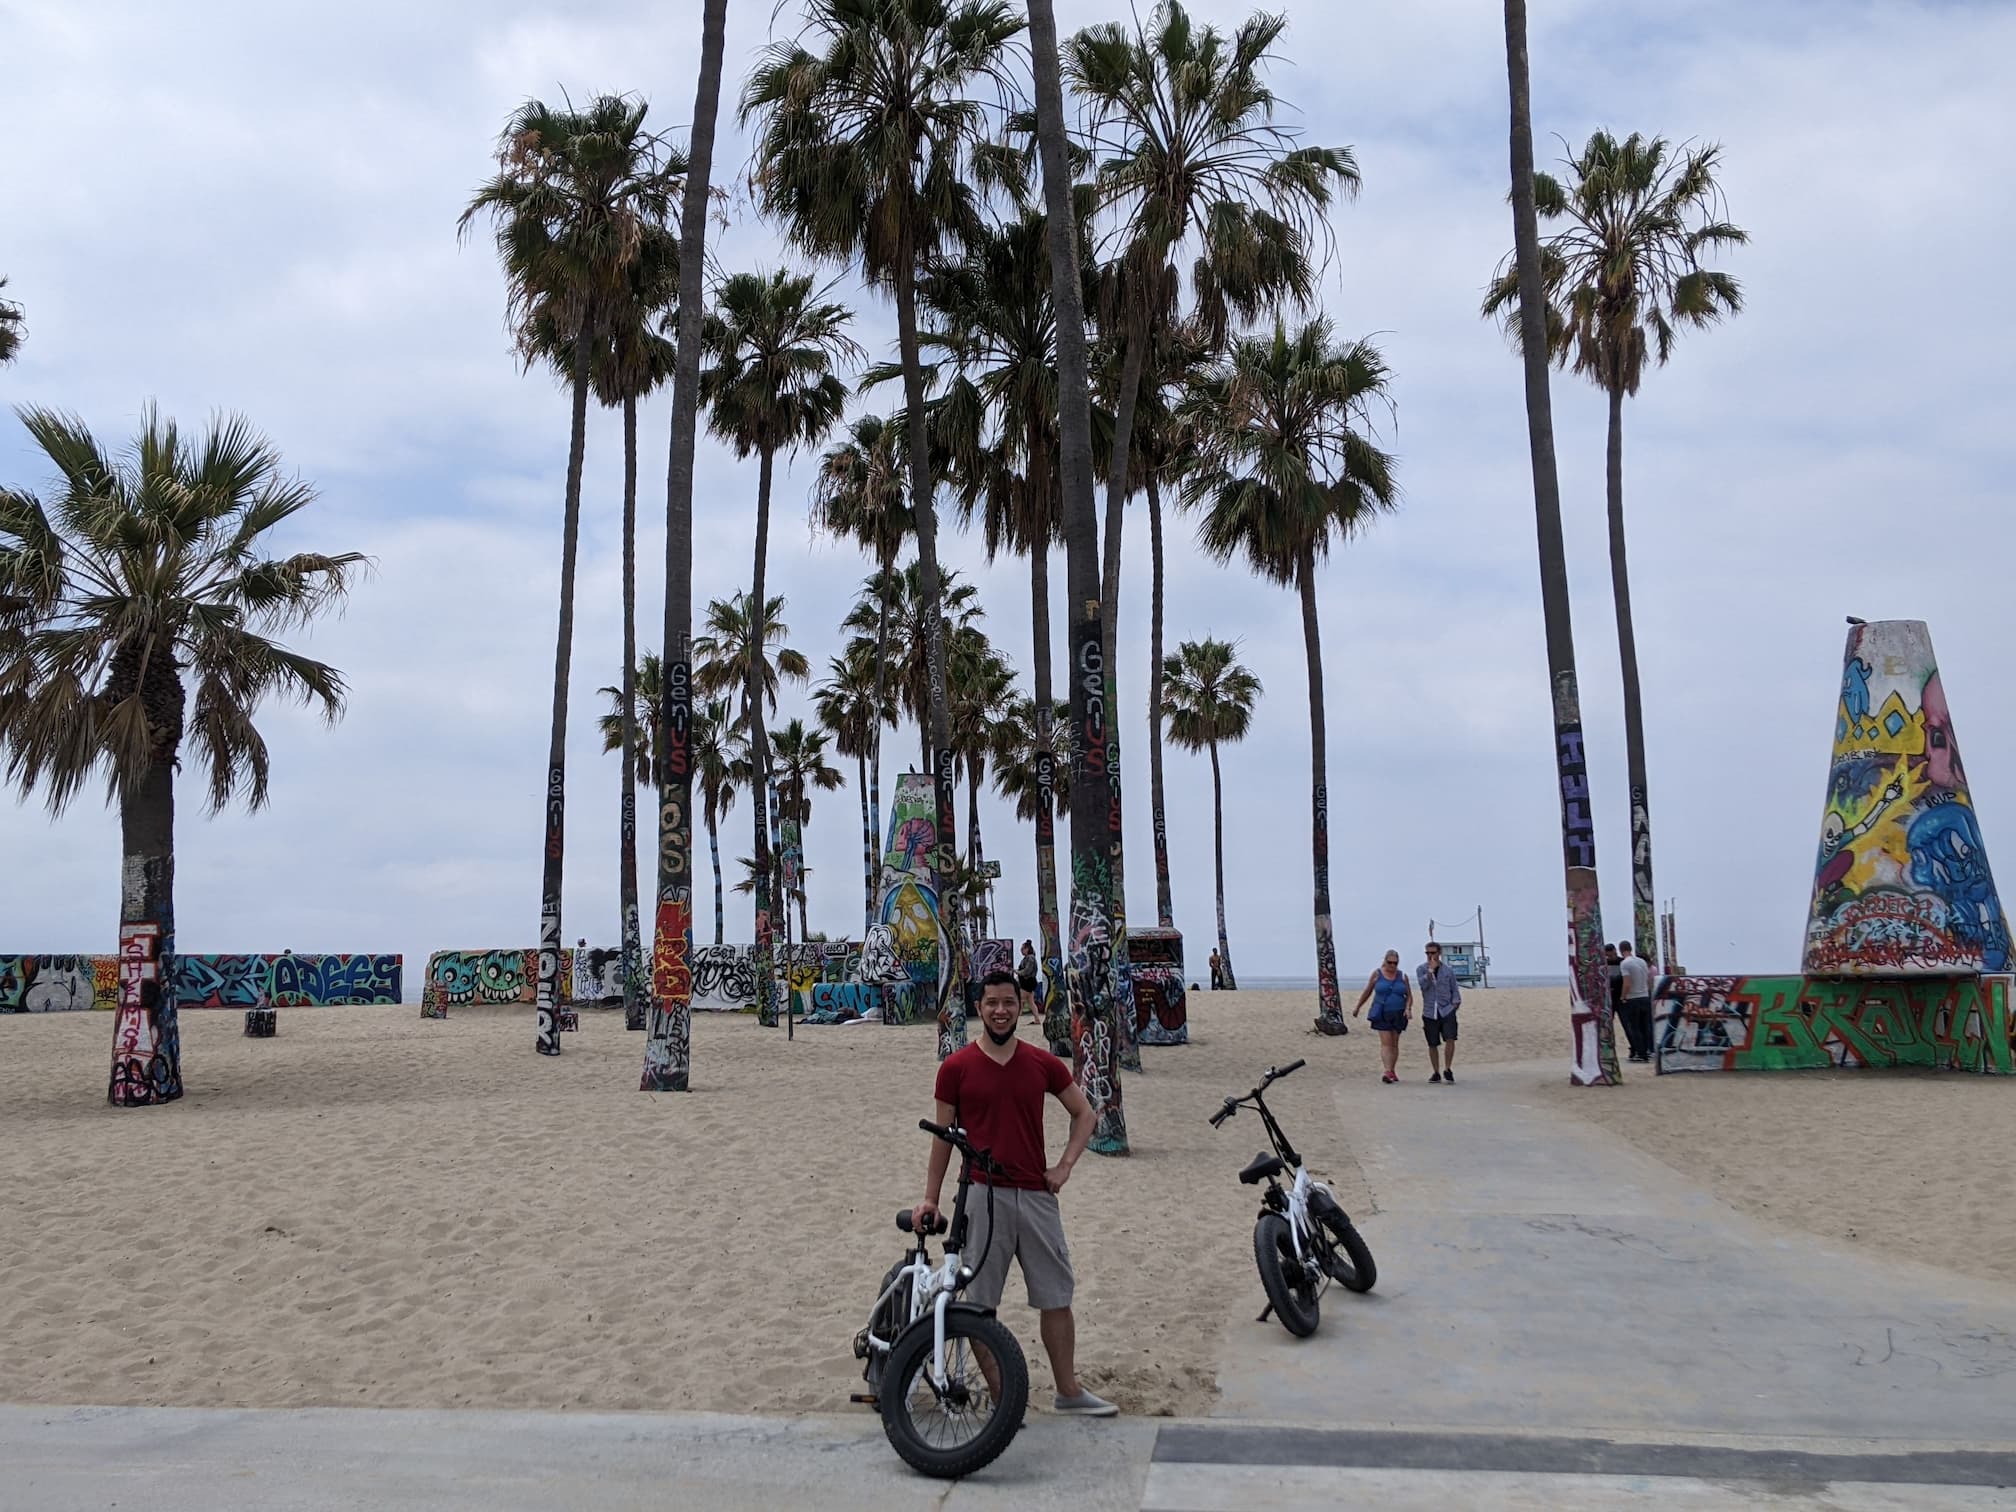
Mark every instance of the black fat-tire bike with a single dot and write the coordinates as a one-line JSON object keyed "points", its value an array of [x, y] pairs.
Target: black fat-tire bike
{"points": [[1303, 1239], [927, 1351]]}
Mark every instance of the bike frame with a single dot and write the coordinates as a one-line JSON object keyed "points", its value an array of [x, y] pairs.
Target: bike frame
{"points": [[932, 1287], [1296, 1196]]}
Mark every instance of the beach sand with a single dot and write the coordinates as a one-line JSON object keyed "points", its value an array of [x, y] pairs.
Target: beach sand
{"points": [[373, 1209]]}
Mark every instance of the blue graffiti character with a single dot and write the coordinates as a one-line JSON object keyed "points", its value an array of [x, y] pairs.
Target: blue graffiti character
{"points": [[1946, 856], [1855, 690]]}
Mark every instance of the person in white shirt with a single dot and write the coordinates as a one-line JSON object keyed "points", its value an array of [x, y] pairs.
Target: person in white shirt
{"points": [[1636, 1009]]}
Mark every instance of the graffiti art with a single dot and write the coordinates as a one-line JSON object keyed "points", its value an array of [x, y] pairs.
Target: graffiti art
{"points": [[1901, 885], [1757, 1023], [67, 983], [1161, 998]]}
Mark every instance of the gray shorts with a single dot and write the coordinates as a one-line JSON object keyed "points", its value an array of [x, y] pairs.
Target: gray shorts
{"points": [[1028, 1228]]}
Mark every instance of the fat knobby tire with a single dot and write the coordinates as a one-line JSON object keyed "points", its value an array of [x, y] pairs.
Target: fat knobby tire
{"points": [[1357, 1272], [912, 1354], [1274, 1254]]}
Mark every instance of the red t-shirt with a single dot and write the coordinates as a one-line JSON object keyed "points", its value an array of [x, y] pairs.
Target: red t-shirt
{"points": [[1001, 1107]]}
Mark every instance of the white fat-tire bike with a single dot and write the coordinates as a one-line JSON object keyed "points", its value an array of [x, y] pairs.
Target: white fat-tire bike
{"points": [[1303, 1239], [922, 1345]]}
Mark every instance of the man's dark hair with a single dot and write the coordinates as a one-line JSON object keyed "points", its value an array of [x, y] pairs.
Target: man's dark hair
{"points": [[997, 978]]}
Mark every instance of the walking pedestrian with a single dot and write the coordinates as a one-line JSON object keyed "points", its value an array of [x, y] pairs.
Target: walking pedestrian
{"points": [[1637, 1006], [1392, 996], [1441, 996], [1027, 981]]}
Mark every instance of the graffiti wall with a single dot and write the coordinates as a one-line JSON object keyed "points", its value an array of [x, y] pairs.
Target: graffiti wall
{"points": [[466, 978], [65, 983], [1901, 885], [908, 912], [1161, 995], [1766, 1023]]}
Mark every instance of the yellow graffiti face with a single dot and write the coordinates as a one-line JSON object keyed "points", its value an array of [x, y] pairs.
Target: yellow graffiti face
{"points": [[909, 917]]}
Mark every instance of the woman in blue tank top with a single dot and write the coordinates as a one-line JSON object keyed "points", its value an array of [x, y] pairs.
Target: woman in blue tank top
{"points": [[1392, 993]]}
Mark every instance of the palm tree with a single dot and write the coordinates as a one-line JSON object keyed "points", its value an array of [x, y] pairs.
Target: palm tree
{"points": [[902, 599], [1208, 699], [722, 655], [873, 150], [1031, 755], [1193, 167], [1285, 464], [798, 758], [630, 361], [859, 494], [980, 683], [146, 566], [573, 193], [770, 386], [852, 705], [1093, 1038], [720, 765], [1595, 1052], [668, 1048], [1621, 278], [12, 327]]}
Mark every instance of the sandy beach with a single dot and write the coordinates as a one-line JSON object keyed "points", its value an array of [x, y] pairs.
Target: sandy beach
{"points": [[373, 1209]]}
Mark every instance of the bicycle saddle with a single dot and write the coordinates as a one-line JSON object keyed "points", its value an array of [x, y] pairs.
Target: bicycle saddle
{"points": [[1263, 1166]]}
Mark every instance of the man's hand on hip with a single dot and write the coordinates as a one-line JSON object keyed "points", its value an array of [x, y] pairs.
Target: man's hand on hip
{"points": [[1056, 1176]]}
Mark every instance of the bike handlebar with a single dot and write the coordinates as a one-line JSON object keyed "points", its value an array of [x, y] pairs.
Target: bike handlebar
{"points": [[1224, 1113], [1274, 1074], [956, 1137]]}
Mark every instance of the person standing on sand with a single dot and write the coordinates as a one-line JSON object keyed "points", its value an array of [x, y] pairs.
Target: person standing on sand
{"points": [[1636, 1009], [1027, 981], [1441, 996], [994, 1088], [1392, 996], [1217, 972]]}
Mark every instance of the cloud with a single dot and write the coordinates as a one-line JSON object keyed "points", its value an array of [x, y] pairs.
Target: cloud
{"points": [[255, 210]]}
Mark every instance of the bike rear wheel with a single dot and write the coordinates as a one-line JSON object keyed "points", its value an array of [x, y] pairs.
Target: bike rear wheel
{"points": [[1350, 1258], [1289, 1285], [964, 1427]]}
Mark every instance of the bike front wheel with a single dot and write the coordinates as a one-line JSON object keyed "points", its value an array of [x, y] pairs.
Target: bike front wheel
{"points": [[1289, 1285], [960, 1426], [1350, 1259]]}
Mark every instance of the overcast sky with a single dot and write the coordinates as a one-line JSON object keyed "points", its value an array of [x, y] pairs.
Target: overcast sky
{"points": [[251, 207]]}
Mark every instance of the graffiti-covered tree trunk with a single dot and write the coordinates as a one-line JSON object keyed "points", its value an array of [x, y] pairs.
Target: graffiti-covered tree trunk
{"points": [[1089, 974], [1165, 908], [548, 1041], [1644, 915], [1123, 970], [887, 565], [938, 737], [668, 1049], [1052, 1001], [1595, 1045], [634, 991], [867, 844], [759, 758], [976, 851], [714, 849], [146, 1039], [1218, 855], [1330, 1011]]}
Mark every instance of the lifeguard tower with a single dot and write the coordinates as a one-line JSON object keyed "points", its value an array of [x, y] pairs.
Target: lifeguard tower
{"points": [[1467, 958]]}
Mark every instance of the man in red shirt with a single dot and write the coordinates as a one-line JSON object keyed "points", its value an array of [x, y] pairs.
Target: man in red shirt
{"points": [[994, 1088]]}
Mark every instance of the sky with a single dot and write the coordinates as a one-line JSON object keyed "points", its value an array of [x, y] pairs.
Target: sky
{"points": [[251, 207]]}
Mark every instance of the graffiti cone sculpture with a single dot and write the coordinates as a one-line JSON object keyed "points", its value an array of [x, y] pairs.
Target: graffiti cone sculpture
{"points": [[1901, 886]]}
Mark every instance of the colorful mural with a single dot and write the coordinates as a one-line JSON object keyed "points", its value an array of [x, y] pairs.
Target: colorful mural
{"points": [[1901, 885], [66, 983], [463, 978], [1161, 996], [908, 910], [1759, 1023]]}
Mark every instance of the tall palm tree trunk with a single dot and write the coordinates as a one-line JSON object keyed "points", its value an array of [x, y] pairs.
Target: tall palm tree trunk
{"points": [[146, 1039], [634, 994], [1051, 1001], [548, 1041], [668, 1051], [1218, 853], [938, 744], [1131, 366], [803, 818], [888, 566], [714, 847], [1330, 1015], [976, 851], [1090, 977], [759, 755], [1593, 1027], [1644, 915], [867, 844], [1165, 909]]}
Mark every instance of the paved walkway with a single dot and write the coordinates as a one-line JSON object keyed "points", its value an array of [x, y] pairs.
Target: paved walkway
{"points": [[1560, 1322]]}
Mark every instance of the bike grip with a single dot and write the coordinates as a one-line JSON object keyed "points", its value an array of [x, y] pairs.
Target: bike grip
{"points": [[1295, 1066], [937, 1130], [1219, 1117]]}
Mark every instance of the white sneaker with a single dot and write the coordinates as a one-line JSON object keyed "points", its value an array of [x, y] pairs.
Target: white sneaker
{"points": [[1085, 1404]]}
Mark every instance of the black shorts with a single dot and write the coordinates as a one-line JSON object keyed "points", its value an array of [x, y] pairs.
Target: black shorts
{"points": [[1439, 1029]]}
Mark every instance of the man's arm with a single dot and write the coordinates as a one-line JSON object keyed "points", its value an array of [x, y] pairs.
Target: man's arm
{"points": [[1083, 1121], [934, 1168]]}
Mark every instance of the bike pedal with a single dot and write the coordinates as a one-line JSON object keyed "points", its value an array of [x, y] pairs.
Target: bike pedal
{"points": [[864, 1399]]}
